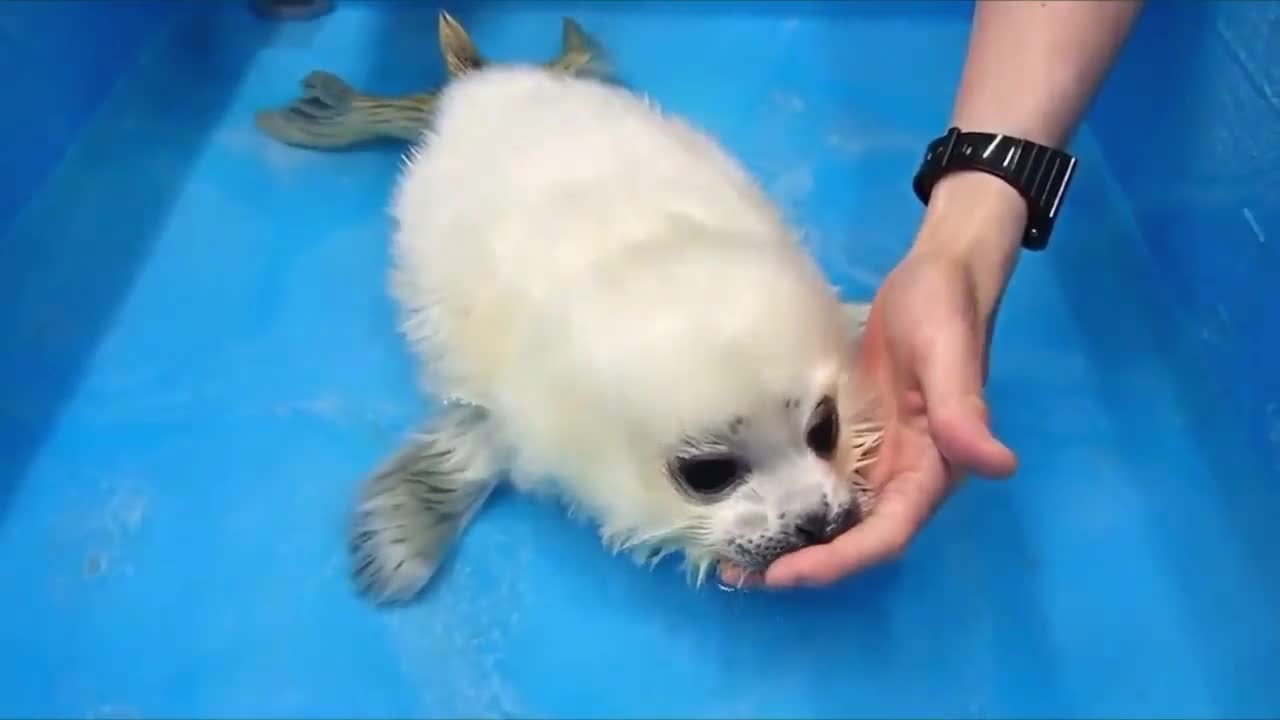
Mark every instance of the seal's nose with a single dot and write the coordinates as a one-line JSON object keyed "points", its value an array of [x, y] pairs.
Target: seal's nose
{"points": [[819, 527]]}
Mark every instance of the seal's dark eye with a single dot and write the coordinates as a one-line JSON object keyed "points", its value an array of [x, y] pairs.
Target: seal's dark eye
{"points": [[824, 429], [709, 474]]}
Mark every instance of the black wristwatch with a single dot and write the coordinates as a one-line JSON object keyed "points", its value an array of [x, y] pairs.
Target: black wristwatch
{"points": [[1039, 173]]}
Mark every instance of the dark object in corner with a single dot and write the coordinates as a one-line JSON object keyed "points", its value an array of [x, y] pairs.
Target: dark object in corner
{"points": [[292, 9]]}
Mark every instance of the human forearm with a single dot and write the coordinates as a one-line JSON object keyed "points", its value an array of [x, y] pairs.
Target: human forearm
{"points": [[1031, 71], [1033, 67]]}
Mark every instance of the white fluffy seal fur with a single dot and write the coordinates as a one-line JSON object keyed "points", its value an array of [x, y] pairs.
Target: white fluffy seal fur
{"points": [[621, 316]]}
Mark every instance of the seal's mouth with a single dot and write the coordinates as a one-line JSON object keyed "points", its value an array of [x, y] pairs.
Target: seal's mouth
{"points": [[743, 562], [743, 569], [735, 576]]}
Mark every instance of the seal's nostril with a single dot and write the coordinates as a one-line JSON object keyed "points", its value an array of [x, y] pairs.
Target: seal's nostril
{"points": [[845, 519], [818, 527], [813, 528]]}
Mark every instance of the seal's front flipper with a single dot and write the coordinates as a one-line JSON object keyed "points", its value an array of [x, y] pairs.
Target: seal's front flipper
{"points": [[413, 510]]}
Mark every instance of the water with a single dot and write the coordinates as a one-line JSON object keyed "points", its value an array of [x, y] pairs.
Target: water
{"points": [[206, 363]]}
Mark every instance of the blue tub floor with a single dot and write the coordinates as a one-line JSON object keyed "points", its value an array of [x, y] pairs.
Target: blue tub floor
{"points": [[207, 362]]}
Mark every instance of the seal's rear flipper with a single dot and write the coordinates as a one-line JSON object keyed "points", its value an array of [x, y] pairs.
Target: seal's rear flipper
{"points": [[323, 116], [580, 53], [414, 508], [459, 52]]}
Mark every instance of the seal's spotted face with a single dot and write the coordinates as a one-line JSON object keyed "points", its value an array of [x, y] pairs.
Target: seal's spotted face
{"points": [[768, 484]]}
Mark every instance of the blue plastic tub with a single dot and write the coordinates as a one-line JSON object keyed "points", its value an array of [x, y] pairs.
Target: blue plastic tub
{"points": [[198, 361]]}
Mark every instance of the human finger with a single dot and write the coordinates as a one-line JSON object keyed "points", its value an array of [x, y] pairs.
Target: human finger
{"points": [[947, 367], [906, 504]]}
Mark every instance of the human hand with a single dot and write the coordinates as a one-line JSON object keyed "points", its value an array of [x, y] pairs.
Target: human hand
{"points": [[925, 351]]}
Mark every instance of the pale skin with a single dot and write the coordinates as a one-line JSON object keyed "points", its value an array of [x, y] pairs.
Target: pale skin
{"points": [[1031, 70]]}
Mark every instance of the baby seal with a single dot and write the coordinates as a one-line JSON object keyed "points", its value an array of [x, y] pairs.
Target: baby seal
{"points": [[620, 316]]}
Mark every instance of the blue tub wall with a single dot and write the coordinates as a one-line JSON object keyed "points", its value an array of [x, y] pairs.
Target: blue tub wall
{"points": [[1189, 122], [76, 253], [62, 65]]}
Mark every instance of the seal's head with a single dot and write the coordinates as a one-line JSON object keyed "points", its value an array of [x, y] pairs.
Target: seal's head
{"points": [[706, 401], [773, 481]]}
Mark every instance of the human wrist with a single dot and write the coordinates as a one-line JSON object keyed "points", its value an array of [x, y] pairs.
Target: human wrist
{"points": [[973, 213], [976, 220]]}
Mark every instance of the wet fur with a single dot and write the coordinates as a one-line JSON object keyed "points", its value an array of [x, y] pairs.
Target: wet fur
{"points": [[599, 284]]}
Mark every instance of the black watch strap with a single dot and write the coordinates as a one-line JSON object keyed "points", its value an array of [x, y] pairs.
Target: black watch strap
{"points": [[1039, 173]]}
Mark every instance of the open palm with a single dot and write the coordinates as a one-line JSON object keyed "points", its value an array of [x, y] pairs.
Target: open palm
{"points": [[925, 349]]}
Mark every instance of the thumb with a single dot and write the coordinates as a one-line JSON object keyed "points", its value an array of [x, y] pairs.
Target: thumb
{"points": [[950, 373]]}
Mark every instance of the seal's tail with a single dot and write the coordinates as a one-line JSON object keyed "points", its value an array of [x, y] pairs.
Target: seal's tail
{"points": [[415, 507]]}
